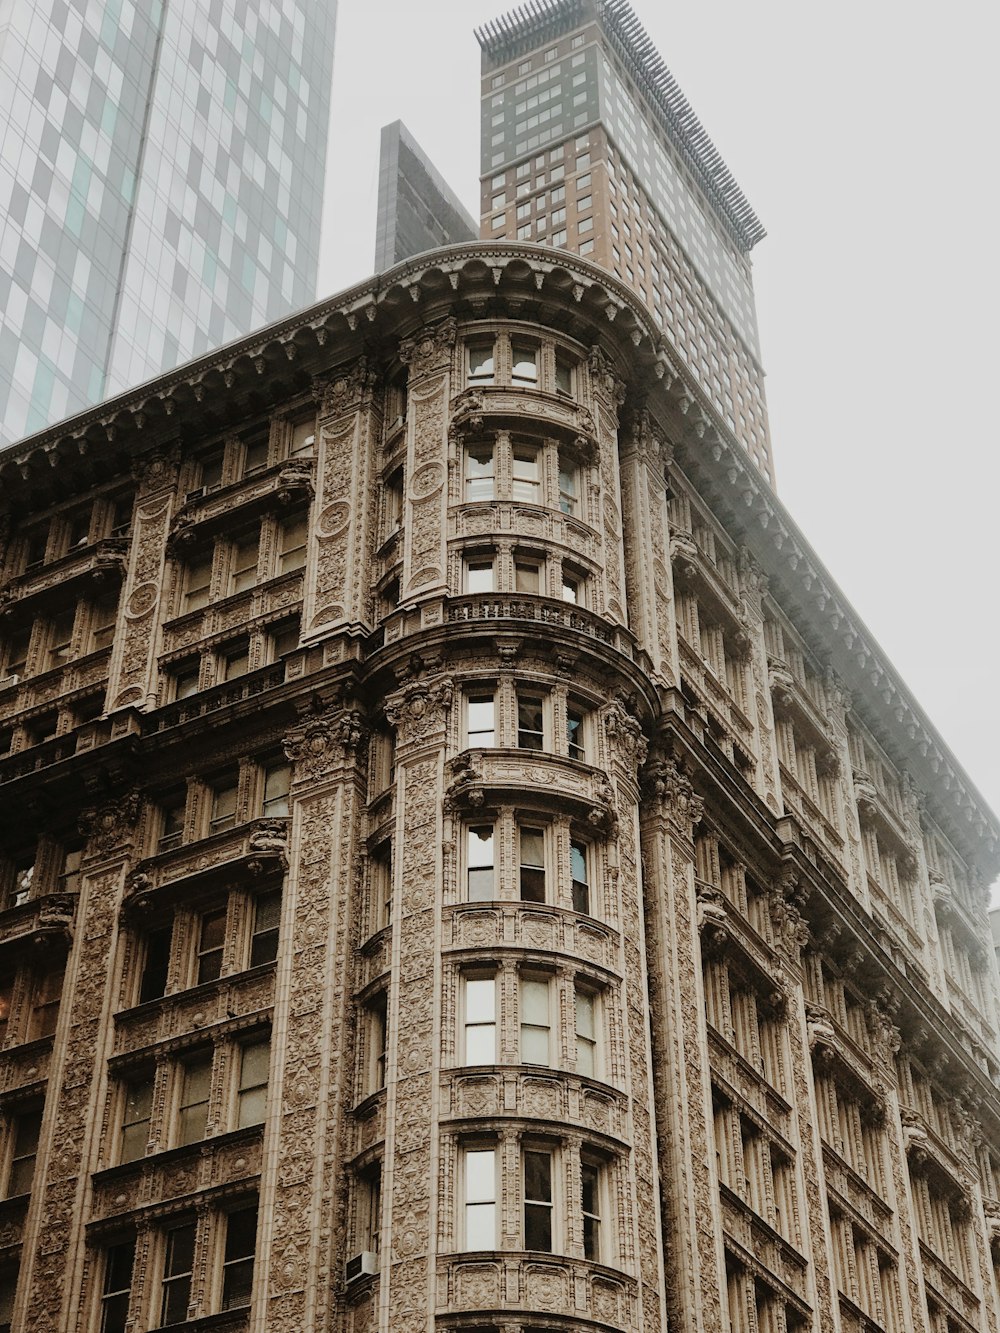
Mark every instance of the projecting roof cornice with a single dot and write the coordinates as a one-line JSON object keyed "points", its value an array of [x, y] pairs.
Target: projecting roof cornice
{"points": [[554, 288]]}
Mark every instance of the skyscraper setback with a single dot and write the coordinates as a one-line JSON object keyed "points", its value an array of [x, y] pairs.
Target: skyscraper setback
{"points": [[588, 144], [161, 182]]}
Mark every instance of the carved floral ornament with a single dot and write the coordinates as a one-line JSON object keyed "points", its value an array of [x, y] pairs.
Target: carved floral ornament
{"points": [[110, 828], [624, 732], [324, 740], [419, 709], [648, 441], [670, 791], [429, 349], [791, 931], [345, 388], [604, 377]]}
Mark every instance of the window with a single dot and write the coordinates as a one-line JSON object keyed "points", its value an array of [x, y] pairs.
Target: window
{"points": [[196, 1084], [586, 1032], [45, 998], [590, 1206], [569, 486], [237, 1264], [378, 1037], [479, 472], [178, 1265], [381, 879], [266, 923], [574, 731], [224, 799], [171, 824], [153, 980], [480, 721], [479, 862], [210, 472], [255, 452], [479, 575], [119, 1261], [524, 361], [243, 563], [255, 1059], [35, 546], [103, 620], [211, 938], [481, 362], [530, 725], [564, 375], [61, 638], [537, 1199], [292, 545], [277, 782], [235, 661], [24, 1133], [16, 648], [480, 1198], [138, 1109], [302, 443], [527, 475], [370, 1210], [283, 638], [6, 1000], [20, 885], [535, 1021], [394, 502], [186, 677], [532, 864], [527, 576], [579, 877], [570, 589], [197, 584], [479, 1045]]}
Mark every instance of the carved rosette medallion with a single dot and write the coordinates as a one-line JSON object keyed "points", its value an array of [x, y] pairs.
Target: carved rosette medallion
{"points": [[344, 389], [429, 351], [419, 711], [110, 829], [324, 742]]}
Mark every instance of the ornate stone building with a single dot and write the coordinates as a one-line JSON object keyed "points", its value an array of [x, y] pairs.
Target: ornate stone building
{"points": [[465, 864]]}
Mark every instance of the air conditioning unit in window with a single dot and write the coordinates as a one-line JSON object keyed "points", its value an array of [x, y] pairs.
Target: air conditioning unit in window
{"points": [[362, 1265], [194, 495]]}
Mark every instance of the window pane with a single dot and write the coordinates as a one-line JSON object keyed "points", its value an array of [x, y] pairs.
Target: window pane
{"points": [[480, 1044], [537, 1200], [527, 578], [479, 576], [530, 731], [480, 997], [479, 472], [574, 734], [177, 1265], [277, 780], [568, 488], [578, 874], [267, 919], [481, 363], [525, 363], [532, 865], [241, 1239], [527, 478], [590, 1199], [481, 726], [153, 983]]}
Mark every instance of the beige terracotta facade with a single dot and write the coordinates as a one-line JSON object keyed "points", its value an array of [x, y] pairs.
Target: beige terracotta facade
{"points": [[453, 813]]}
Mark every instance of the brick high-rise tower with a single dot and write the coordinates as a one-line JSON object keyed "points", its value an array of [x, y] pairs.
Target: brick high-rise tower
{"points": [[589, 145]]}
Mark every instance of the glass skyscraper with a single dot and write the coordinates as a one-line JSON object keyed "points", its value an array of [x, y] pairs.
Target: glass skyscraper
{"points": [[161, 186]]}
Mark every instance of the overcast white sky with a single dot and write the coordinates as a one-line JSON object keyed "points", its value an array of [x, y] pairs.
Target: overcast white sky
{"points": [[865, 137]]}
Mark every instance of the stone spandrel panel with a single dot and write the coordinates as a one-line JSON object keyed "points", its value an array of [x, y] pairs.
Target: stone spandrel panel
{"points": [[53, 1254], [419, 711], [429, 357], [133, 663], [302, 1206], [336, 591]]}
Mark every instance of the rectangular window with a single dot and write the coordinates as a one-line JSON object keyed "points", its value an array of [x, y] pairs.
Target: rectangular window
{"points": [[24, 1150], [292, 545], [138, 1109], [153, 981], [479, 472], [394, 502], [193, 1111], [586, 1032], [569, 487], [211, 938], [237, 1264], [266, 923], [530, 722], [243, 565], [6, 1000], [480, 721], [564, 375], [211, 472], [255, 452], [381, 879], [45, 999], [187, 678], [579, 877], [480, 1045], [303, 440], [527, 477], [480, 1199], [524, 362], [223, 813], [103, 619], [16, 654], [535, 1021], [277, 783], [171, 825], [378, 1041], [481, 363], [537, 1199], [235, 661], [479, 862], [532, 864], [119, 1261], [527, 576], [178, 1265], [590, 1204], [255, 1059], [20, 887], [574, 731], [479, 576], [197, 584], [61, 638]]}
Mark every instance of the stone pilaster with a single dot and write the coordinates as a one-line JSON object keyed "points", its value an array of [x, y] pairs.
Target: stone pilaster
{"points": [[336, 594], [53, 1252], [419, 711], [753, 588], [607, 395], [301, 1240], [133, 679]]}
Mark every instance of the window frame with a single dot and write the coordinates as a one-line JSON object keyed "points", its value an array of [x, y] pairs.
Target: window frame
{"points": [[473, 1025], [470, 1200]]}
